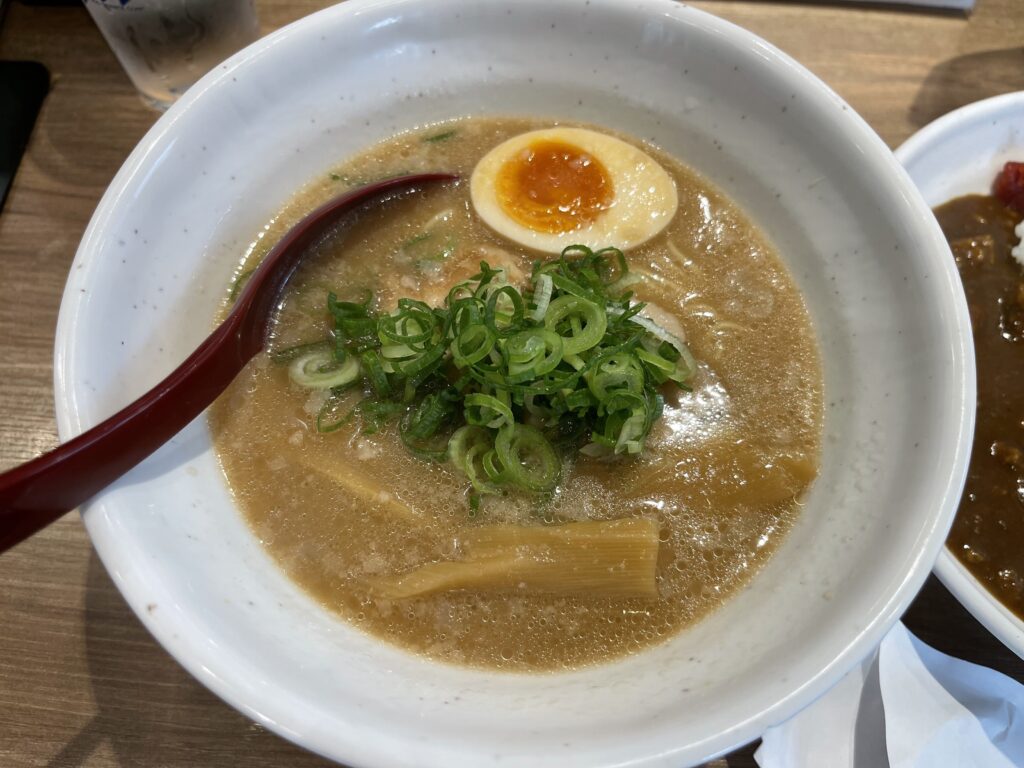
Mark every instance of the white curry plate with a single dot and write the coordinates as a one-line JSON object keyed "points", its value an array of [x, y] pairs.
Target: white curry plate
{"points": [[960, 154]]}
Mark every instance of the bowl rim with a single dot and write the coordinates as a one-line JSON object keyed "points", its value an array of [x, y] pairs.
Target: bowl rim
{"points": [[971, 593], [276, 717]]}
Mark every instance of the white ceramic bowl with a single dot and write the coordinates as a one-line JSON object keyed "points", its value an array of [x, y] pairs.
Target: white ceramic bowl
{"points": [[861, 244], [960, 154]]}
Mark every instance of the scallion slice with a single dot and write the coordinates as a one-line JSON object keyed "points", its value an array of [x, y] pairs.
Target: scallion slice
{"points": [[487, 411], [532, 354], [580, 323], [527, 458], [320, 370], [541, 297]]}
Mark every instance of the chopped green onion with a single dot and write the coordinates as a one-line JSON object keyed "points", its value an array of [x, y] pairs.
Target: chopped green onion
{"points": [[653, 328], [375, 413], [532, 354], [429, 449], [414, 324], [466, 449], [332, 416], [415, 240], [472, 345], [373, 371], [286, 355], [464, 439], [504, 382], [579, 322], [504, 318], [487, 411], [238, 283], [619, 372], [320, 370], [430, 246], [437, 137], [528, 460], [541, 297], [421, 428]]}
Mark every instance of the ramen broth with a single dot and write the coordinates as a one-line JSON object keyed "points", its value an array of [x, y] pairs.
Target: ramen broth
{"points": [[720, 479]]}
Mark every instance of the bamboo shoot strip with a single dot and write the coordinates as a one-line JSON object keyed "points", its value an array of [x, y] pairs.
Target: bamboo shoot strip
{"points": [[361, 487], [614, 558], [775, 478]]}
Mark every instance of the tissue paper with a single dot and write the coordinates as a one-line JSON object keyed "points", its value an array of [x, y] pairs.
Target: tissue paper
{"points": [[908, 706]]}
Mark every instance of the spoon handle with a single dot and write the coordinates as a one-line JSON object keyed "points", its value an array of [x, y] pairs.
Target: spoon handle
{"points": [[35, 494]]}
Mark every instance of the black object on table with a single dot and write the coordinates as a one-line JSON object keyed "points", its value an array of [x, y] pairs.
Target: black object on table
{"points": [[23, 85]]}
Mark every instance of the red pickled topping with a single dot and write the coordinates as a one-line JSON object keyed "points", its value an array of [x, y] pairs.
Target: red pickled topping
{"points": [[1009, 186]]}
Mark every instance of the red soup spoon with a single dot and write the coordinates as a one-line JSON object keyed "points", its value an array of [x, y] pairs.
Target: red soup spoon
{"points": [[35, 494]]}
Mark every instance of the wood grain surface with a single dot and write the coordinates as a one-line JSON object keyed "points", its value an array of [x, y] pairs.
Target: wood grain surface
{"points": [[82, 684]]}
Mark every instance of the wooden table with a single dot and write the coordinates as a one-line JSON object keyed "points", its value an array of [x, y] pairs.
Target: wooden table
{"points": [[81, 682]]}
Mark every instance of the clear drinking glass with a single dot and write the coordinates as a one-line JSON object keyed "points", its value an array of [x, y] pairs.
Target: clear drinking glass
{"points": [[166, 45]]}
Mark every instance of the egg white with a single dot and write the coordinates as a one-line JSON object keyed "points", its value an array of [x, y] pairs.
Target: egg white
{"points": [[643, 203]]}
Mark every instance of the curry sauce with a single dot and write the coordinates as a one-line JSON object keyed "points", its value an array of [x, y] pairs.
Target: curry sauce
{"points": [[988, 534]]}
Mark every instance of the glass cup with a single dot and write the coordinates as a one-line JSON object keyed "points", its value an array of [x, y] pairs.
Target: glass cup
{"points": [[166, 45]]}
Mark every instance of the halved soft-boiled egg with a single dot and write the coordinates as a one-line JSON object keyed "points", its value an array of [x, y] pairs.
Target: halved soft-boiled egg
{"points": [[565, 186]]}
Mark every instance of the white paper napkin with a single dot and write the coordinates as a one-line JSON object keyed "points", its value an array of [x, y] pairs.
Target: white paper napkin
{"points": [[908, 706]]}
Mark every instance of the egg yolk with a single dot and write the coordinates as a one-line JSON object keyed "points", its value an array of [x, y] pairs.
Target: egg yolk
{"points": [[553, 187]]}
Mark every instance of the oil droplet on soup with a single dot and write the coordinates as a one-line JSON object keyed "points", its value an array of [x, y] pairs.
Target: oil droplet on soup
{"points": [[721, 476]]}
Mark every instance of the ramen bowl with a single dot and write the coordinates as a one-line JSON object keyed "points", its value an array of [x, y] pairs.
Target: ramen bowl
{"points": [[860, 243]]}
